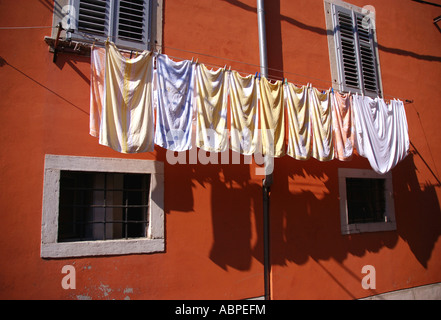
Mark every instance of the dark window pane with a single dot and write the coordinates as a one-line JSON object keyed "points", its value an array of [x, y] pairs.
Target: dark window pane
{"points": [[366, 200], [102, 206]]}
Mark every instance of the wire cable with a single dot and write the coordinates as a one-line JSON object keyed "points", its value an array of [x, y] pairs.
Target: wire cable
{"points": [[270, 77], [32, 27]]}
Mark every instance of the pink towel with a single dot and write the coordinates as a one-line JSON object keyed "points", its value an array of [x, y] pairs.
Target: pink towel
{"points": [[342, 126]]}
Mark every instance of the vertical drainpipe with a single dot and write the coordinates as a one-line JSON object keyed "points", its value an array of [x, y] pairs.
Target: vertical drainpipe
{"points": [[266, 183]]}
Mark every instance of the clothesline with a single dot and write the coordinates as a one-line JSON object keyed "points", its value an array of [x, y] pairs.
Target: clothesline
{"points": [[245, 63], [28, 27], [270, 77], [207, 55], [275, 78], [246, 73], [323, 125]]}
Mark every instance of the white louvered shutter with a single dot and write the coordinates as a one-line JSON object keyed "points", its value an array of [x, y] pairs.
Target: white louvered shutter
{"points": [[367, 56], [132, 22], [356, 57], [125, 22], [93, 17]]}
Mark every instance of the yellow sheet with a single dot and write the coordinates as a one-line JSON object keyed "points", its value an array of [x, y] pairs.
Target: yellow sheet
{"points": [[299, 122], [321, 122], [211, 104], [127, 123], [272, 123], [244, 115]]}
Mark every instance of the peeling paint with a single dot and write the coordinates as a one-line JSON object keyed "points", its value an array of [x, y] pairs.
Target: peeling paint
{"points": [[128, 290], [105, 289]]}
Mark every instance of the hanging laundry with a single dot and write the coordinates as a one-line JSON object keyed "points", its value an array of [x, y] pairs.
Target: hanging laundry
{"points": [[272, 123], [321, 124], [211, 103], [244, 115], [299, 126], [97, 87], [342, 124], [400, 139], [175, 97], [127, 123], [97, 82], [381, 132]]}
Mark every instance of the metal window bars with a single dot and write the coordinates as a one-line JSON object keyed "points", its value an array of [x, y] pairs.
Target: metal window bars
{"points": [[103, 206]]}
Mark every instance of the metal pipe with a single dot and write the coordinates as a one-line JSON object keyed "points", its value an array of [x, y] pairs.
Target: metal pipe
{"points": [[266, 183], [266, 243], [264, 72], [262, 38]]}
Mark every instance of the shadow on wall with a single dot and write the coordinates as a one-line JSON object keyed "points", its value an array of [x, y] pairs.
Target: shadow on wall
{"points": [[235, 207], [305, 212], [274, 18], [306, 217], [417, 209]]}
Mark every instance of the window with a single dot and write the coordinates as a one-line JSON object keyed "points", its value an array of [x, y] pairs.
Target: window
{"points": [[353, 50], [366, 201], [101, 206], [131, 24]]}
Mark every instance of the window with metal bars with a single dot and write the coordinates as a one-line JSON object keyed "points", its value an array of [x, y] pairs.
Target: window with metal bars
{"points": [[357, 60], [125, 22], [102, 206], [366, 200]]}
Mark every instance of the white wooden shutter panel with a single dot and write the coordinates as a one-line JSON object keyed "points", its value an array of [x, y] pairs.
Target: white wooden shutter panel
{"points": [[133, 23], [93, 17], [356, 58], [125, 22], [367, 55], [346, 43]]}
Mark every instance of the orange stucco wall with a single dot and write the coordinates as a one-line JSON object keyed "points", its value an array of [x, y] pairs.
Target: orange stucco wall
{"points": [[214, 240]]}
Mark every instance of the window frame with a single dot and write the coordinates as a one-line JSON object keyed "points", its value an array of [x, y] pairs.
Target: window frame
{"points": [[99, 206], [112, 26], [388, 225], [154, 14], [155, 240], [335, 54]]}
